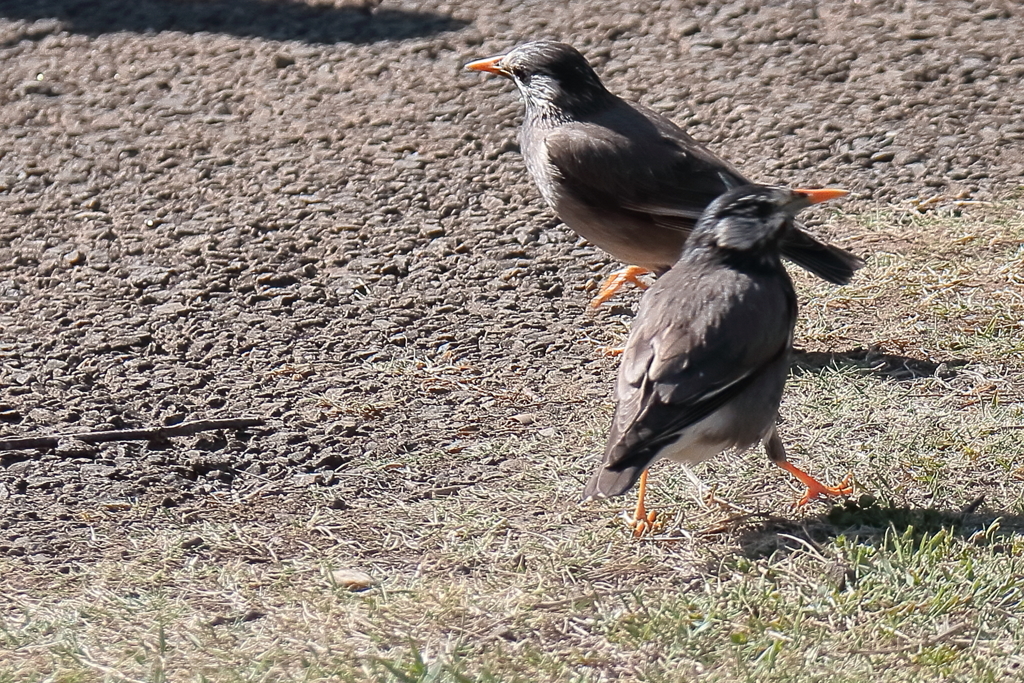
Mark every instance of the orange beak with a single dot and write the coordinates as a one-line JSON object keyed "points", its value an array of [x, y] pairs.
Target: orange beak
{"points": [[491, 65], [822, 195]]}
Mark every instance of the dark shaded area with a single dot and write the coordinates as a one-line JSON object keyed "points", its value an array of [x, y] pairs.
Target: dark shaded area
{"points": [[271, 19], [869, 361], [865, 519]]}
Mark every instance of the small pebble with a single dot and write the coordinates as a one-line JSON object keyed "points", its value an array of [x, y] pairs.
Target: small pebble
{"points": [[352, 579]]}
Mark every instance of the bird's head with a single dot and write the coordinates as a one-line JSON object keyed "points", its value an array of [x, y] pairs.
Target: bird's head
{"points": [[755, 217], [554, 78]]}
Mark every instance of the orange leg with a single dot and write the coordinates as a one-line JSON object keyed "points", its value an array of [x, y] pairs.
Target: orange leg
{"points": [[642, 520], [616, 280], [814, 487]]}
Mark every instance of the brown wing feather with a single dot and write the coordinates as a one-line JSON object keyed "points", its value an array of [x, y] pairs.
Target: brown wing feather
{"points": [[677, 179], [688, 355], [597, 161]]}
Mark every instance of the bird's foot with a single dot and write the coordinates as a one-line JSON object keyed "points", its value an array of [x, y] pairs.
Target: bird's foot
{"points": [[643, 521], [843, 488], [611, 351], [615, 282], [814, 487]]}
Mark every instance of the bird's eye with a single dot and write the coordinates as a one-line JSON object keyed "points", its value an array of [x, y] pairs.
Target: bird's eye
{"points": [[757, 209]]}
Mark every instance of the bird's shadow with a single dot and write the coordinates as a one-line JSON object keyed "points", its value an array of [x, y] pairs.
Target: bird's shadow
{"points": [[872, 362], [271, 19], [869, 522]]}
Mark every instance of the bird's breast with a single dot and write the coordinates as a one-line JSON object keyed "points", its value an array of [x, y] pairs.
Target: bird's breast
{"points": [[543, 172], [629, 237]]}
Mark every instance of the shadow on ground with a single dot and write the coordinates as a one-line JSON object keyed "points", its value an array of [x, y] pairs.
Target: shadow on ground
{"points": [[871, 362], [271, 19], [865, 519]]}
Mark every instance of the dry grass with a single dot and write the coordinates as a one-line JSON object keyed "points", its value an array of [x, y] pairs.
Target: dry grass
{"points": [[911, 381], [939, 284]]}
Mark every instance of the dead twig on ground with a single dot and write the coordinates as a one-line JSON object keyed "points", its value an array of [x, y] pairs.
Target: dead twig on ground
{"points": [[182, 429]]}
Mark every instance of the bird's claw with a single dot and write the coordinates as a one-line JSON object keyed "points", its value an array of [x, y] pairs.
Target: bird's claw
{"points": [[643, 522], [843, 488], [615, 282]]}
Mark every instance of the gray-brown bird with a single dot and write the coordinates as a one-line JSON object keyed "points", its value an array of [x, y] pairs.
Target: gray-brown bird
{"points": [[620, 175], [706, 360]]}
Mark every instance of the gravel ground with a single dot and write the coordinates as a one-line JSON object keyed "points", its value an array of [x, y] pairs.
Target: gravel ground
{"points": [[309, 213]]}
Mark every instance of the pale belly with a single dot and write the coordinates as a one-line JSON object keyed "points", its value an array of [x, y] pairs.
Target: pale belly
{"points": [[707, 438], [633, 241], [631, 238]]}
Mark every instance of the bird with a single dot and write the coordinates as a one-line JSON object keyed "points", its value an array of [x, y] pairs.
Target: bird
{"points": [[622, 176], [705, 364]]}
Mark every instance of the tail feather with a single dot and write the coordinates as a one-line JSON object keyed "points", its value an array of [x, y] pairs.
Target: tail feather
{"points": [[606, 482], [827, 262]]}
